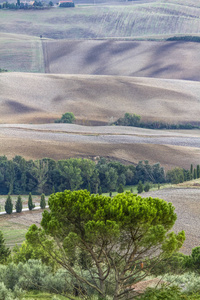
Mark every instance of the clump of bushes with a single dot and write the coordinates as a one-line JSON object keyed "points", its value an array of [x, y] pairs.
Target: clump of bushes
{"points": [[68, 117], [135, 121]]}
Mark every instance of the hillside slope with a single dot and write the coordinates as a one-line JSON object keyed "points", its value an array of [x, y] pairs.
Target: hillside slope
{"points": [[126, 144], [173, 60], [138, 19], [40, 98]]}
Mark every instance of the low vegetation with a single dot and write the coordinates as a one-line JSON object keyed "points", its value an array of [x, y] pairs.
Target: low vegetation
{"points": [[68, 117], [135, 120]]}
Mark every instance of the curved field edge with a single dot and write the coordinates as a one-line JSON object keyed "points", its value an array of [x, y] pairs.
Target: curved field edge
{"points": [[21, 53], [135, 20]]}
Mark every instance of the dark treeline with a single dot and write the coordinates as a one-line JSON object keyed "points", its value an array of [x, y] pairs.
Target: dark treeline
{"points": [[135, 121], [19, 176]]}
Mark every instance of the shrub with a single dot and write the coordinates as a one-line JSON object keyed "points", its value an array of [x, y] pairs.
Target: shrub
{"points": [[66, 118]]}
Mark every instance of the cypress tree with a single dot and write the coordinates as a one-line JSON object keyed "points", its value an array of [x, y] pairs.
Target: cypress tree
{"points": [[121, 188], [9, 205], [4, 251], [42, 201], [100, 191], [18, 205], [30, 202], [140, 187], [147, 187], [195, 174], [198, 171], [191, 170]]}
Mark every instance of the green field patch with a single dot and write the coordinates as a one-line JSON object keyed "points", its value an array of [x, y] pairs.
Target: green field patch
{"points": [[21, 54]]}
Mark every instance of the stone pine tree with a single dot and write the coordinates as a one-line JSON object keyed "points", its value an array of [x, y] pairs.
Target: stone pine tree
{"points": [[42, 201], [4, 251], [30, 202], [18, 205], [9, 205], [102, 242]]}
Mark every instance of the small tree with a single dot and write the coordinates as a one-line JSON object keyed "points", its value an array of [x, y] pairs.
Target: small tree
{"points": [[30, 202], [42, 201], [66, 118], [9, 205], [140, 187], [18, 205], [4, 251], [121, 188], [147, 187]]}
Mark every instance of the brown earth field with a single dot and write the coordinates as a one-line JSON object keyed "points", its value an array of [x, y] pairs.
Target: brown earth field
{"points": [[187, 208], [42, 98], [126, 144], [172, 60]]}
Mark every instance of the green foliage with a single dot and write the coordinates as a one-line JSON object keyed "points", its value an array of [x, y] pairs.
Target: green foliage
{"points": [[4, 251], [147, 187], [101, 228], [18, 205], [9, 205], [140, 187], [164, 293], [30, 202], [66, 118], [128, 120], [42, 201], [121, 188], [175, 175], [135, 120]]}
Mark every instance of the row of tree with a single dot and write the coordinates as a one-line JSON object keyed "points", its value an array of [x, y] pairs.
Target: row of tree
{"points": [[135, 121], [19, 205], [19, 176]]}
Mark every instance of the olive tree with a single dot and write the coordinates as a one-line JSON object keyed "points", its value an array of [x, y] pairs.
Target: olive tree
{"points": [[107, 244]]}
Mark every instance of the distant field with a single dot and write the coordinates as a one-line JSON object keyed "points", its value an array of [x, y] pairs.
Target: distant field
{"points": [[173, 60], [187, 208], [42, 98], [140, 20], [21, 53], [126, 144], [15, 226]]}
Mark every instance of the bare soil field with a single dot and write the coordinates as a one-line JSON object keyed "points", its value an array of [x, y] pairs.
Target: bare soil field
{"points": [[39, 98], [126, 144], [173, 60], [187, 207]]}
